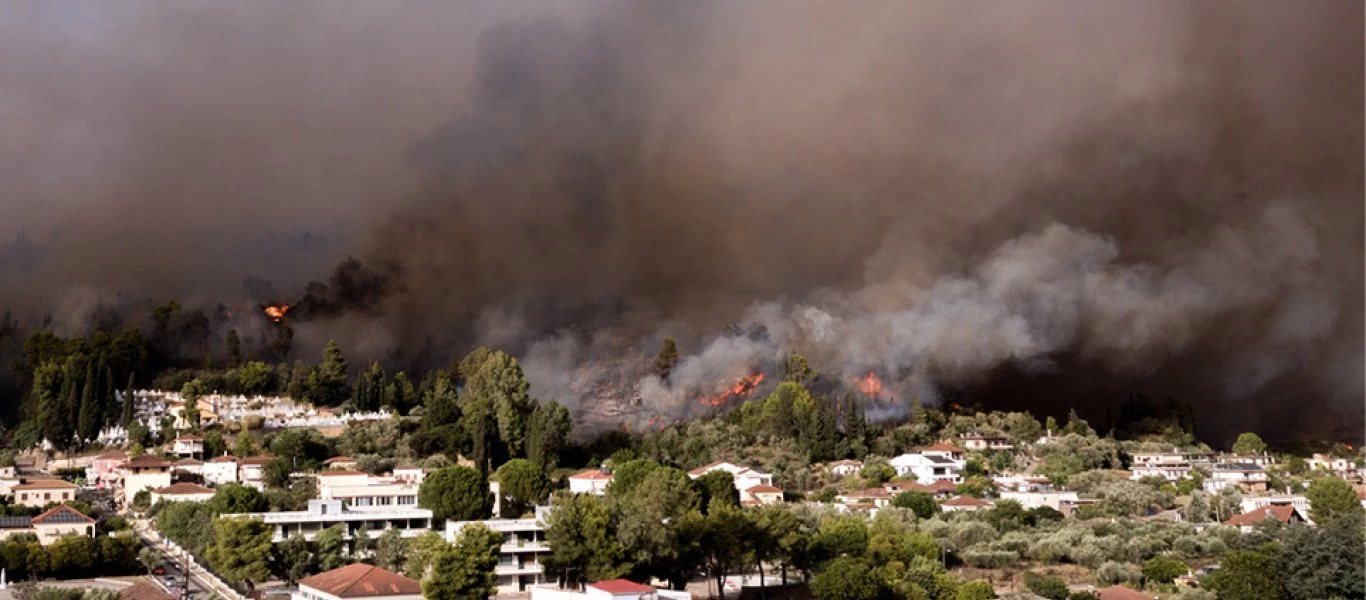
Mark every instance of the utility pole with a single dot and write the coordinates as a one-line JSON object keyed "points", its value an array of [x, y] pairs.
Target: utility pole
{"points": [[185, 569]]}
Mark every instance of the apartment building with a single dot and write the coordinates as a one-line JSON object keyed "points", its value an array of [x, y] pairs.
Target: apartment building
{"points": [[321, 514], [362, 491], [519, 558], [145, 472]]}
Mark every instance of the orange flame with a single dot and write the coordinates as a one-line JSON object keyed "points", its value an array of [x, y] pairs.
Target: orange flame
{"points": [[277, 312], [742, 388], [869, 384]]}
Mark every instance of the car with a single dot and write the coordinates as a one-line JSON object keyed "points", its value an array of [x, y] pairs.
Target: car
{"points": [[171, 581], [159, 571]]}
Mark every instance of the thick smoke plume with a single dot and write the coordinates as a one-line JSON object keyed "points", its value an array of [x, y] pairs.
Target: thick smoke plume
{"points": [[1036, 204]]}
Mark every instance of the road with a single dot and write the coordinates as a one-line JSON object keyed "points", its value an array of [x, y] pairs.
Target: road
{"points": [[202, 583]]}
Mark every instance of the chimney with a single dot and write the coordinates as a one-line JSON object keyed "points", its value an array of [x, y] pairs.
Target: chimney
{"points": [[602, 468]]}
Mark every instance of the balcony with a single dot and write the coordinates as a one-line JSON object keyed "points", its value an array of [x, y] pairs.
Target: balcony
{"points": [[527, 569], [523, 547]]}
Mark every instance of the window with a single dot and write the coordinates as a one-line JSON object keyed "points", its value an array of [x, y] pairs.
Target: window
{"points": [[47, 496]]}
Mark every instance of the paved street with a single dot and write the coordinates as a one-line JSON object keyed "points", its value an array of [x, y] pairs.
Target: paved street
{"points": [[202, 583]]}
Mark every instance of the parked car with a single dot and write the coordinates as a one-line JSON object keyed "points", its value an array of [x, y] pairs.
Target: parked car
{"points": [[159, 571]]}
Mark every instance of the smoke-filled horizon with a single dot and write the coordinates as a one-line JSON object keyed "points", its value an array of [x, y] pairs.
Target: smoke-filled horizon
{"points": [[1032, 204]]}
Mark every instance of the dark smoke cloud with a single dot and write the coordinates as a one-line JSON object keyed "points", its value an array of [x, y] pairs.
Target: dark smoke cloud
{"points": [[1033, 203]]}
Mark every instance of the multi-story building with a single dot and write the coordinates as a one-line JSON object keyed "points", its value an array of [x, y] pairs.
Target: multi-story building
{"points": [[182, 492], [144, 472], [1247, 477], [928, 468], [321, 514], [187, 445], [519, 558], [104, 472], [1058, 501], [1251, 503], [980, 441], [1342, 467], [744, 477], [251, 471], [362, 491], [220, 470]]}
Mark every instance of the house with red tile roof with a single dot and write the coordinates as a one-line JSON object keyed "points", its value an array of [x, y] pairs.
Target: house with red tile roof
{"points": [[182, 492], [1248, 521], [760, 495], [37, 493], [964, 504], [60, 522], [619, 589], [358, 580], [592, 481], [1119, 592]]}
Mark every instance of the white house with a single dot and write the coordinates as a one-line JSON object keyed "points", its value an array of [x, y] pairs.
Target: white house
{"points": [[358, 580], [321, 514], [760, 495], [251, 471], [523, 549], [592, 481], [1251, 503], [964, 504], [1053, 500], [877, 497], [928, 469], [1247, 477], [1170, 472], [38, 493], [844, 468], [187, 466], [361, 491], [979, 441], [410, 473], [744, 477], [1023, 483], [944, 450], [187, 445], [344, 463], [1342, 467], [182, 492], [221, 470], [144, 472]]}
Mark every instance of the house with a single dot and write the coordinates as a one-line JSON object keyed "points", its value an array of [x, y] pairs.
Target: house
{"points": [[844, 468], [522, 551], [1342, 467], [182, 492], [221, 470], [928, 469], [1251, 503], [358, 580], [104, 472], [143, 589], [187, 466], [744, 477], [1172, 466], [760, 495], [877, 497], [1053, 500], [592, 481], [187, 445], [978, 441], [938, 488], [60, 522], [1119, 592], [251, 471], [321, 514], [614, 589], [345, 463], [360, 491], [1023, 483], [1247, 521], [964, 504], [948, 451], [144, 472], [412, 474], [38, 493], [1248, 477], [1261, 460]]}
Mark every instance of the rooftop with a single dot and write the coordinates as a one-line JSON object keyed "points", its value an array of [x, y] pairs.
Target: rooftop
{"points": [[362, 581], [62, 515], [764, 489], [1280, 512], [1119, 592], [591, 474], [183, 488], [339, 459], [45, 484], [143, 590], [146, 461], [965, 501], [622, 586]]}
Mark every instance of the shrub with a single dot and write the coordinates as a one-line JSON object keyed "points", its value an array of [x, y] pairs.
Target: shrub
{"points": [[1049, 587], [1112, 573], [253, 422], [963, 535], [975, 590], [990, 559], [1087, 555], [1164, 570]]}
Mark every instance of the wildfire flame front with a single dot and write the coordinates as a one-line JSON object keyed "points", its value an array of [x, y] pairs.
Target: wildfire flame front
{"points": [[740, 389], [276, 312]]}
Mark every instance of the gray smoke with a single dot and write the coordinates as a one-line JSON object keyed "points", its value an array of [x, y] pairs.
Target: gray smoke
{"points": [[1034, 200]]}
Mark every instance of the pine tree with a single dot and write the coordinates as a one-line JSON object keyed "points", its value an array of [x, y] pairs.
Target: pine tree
{"points": [[666, 359], [128, 404], [234, 344], [49, 384], [88, 417]]}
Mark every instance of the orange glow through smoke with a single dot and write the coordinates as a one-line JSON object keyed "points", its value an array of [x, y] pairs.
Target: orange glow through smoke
{"points": [[742, 388], [277, 312], [869, 384]]}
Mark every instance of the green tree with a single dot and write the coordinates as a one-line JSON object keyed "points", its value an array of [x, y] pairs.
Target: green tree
{"points": [[496, 406], [149, 559], [400, 393], [455, 493], [231, 498], [330, 547], [718, 489], [1053, 588], [724, 542], [1077, 425], [522, 485], [241, 551], [920, 503], [234, 347], [291, 560], [840, 536], [390, 548], [1329, 498], [422, 553], [648, 522], [464, 570], [628, 475], [1249, 444], [129, 404], [877, 472], [666, 359], [368, 394], [89, 417], [797, 370], [975, 590], [327, 383], [1325, 561], [1164, 570], [548, 431], [49, 384], [244, 446], [255, 377], [1248, 575], [582, 540], [845, 578]]}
